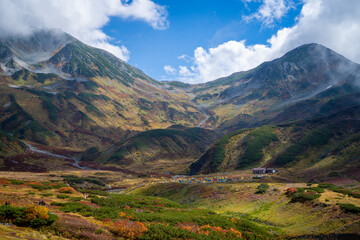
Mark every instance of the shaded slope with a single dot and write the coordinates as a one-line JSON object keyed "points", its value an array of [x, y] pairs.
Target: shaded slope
{"points": [[10, 145], [147, 149], [265, 91]]}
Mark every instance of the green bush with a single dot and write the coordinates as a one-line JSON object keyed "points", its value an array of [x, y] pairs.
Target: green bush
{"points": [[262, 188], [20, 217], [93, 192], [62, 196], [304, 196], [350, 208], [17, 182], [46, 194], [316, 189], [72, 179], [12, 214], [76, 199], [46, 186], [59, 204]]}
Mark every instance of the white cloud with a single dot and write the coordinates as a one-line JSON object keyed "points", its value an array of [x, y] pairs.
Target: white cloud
{"points": [[81, 18], [184, 71], [329, 22], [270, 11], [185, 57], [169, 70]]}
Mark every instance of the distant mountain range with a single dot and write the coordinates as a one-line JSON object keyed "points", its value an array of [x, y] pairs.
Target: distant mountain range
{"points": [[58, 91]]}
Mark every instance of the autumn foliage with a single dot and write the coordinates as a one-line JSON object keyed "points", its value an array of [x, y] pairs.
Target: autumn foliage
{"points": [[207, 229], [126, 228], [4, 181], [36, 212], [291, 191], [67, 190], [35, 216]]}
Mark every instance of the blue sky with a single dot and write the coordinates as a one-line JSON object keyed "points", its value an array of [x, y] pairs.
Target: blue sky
{"points": [[214, 37], [193, 23]]}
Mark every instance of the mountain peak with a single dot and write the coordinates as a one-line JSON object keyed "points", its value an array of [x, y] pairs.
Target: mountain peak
{"points": [[315, 53], [38, 46]]}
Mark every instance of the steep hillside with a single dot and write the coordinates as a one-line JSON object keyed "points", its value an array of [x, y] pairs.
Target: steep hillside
{"points": [[321, 148], [58, 91], [159, 150], [266, 93]]}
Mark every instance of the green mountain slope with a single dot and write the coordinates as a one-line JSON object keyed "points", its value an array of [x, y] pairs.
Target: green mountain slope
{"points": [[159, 150], [317, 148]]}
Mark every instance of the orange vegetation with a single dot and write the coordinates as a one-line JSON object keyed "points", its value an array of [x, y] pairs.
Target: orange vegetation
{"points": [[67, 190], [4, 181], [126, 228]]}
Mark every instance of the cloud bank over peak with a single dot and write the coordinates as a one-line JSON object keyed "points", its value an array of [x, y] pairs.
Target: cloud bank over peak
{"points": [[332, 23], [81, 18]]}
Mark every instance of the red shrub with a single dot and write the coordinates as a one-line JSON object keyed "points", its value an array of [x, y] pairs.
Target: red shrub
{"points": [[4, 181], [291, 191]]}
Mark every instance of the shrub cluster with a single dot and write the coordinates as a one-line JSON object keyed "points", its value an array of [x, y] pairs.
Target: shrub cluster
{"points": [[305, 196], [350, 208], [134, 216], [73, 180], [93, 192], [62, 196], [262, 188], [34, 217]]}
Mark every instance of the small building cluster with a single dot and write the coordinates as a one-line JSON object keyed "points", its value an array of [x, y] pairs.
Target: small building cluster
{"points": [[263, 170]]}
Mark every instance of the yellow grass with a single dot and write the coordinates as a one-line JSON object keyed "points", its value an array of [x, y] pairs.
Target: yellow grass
{"points": [[15, 233]]}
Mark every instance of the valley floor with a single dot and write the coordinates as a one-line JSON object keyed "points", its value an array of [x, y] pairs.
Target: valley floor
{"points": [[272, 211]]}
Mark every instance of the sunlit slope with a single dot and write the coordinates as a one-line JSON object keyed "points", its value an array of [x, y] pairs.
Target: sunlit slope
{"points": [[79, 96]]}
